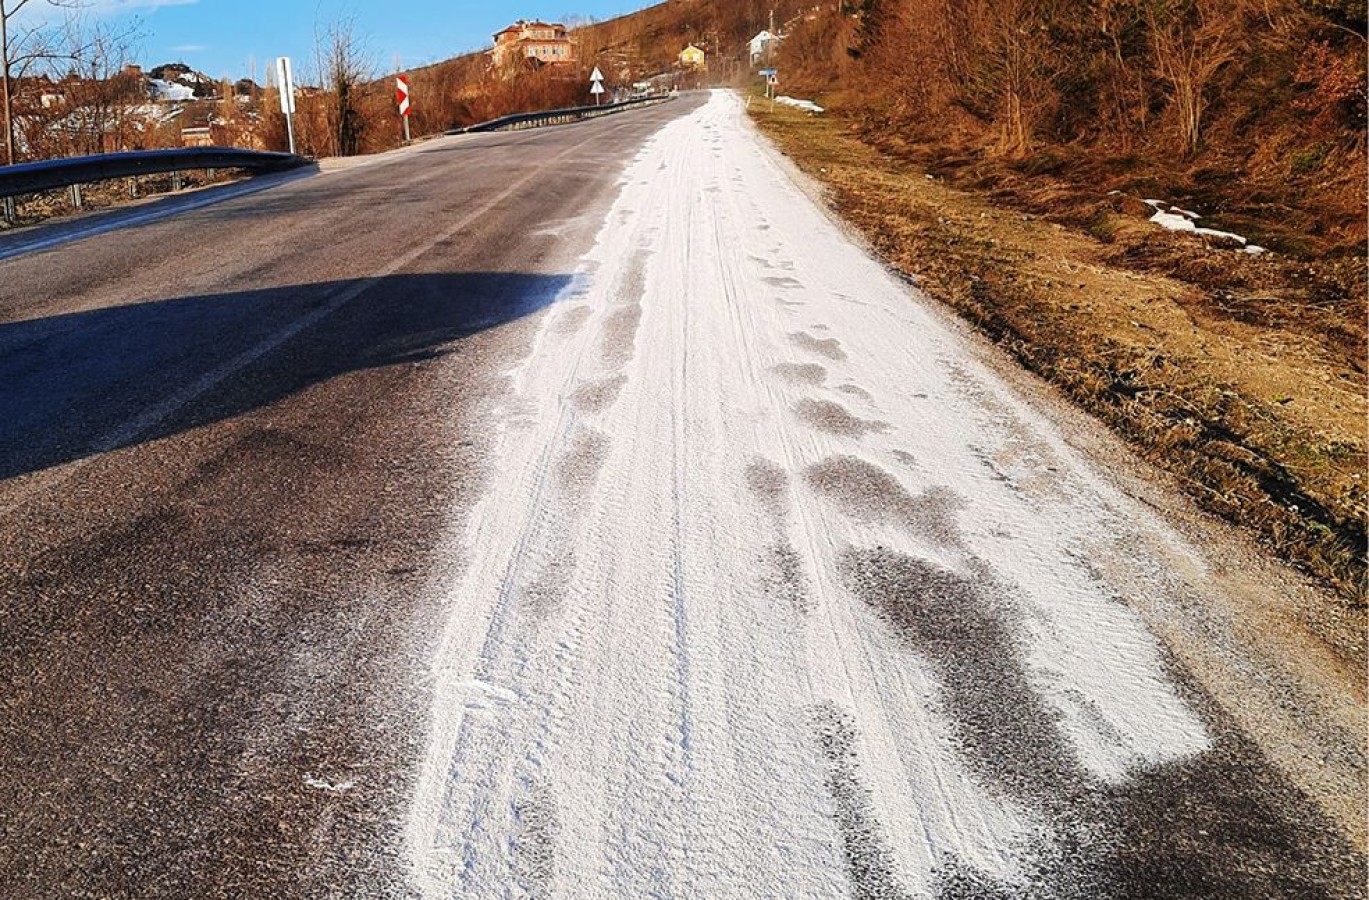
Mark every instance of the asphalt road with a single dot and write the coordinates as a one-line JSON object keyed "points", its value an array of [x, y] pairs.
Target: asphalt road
{"points": [[230, 443], [579, 512]]}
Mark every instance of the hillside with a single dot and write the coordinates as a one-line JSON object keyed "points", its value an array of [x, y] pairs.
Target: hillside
{"points": [[1254, 112], [1241, 372]]}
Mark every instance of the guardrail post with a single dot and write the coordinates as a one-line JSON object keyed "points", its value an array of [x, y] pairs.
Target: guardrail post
{"points": [[133, 188], [176, 180], [76, 196], [9, 210]]}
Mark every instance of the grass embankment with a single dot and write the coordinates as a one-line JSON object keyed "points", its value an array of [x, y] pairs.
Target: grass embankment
{"points": [[1243, 376]]}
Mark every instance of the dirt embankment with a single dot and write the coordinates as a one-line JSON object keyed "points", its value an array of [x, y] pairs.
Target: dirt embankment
{"points": [[1243, 375]]}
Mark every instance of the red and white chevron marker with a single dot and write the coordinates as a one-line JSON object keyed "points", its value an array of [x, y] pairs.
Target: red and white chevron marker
{"points": [[402, 95]]}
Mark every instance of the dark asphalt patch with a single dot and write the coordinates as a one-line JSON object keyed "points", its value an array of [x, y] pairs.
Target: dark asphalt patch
{"points": [[620, 327], [870, 864], [867, 492], [783, 578], [620, 335], [578, 468], [597, 396], [855, 391], [572, 320], [770, 484], [828, 347], [546, 586], [1224, 824], [833, 418], [781, 567], [534, 847], [963, 627], [801, 373]]}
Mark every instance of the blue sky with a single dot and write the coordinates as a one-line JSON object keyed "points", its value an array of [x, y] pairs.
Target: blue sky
{"points": [[222, 37]]}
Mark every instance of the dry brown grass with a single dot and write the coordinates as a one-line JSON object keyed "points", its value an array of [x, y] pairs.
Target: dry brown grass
{"points": [[1242, 376]]}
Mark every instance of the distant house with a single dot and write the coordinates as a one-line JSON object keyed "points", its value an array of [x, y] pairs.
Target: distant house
{"points": [[692, 57], [544, 42], [762, 45]]}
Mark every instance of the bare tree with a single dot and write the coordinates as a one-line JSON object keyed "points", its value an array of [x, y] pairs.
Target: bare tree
{"points": [[101, 101], [17, 49], [96, 96], [1193, 41], [343, 67]]}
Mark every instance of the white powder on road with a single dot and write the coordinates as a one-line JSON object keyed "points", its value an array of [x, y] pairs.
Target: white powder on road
{"points": [[687, 655]]}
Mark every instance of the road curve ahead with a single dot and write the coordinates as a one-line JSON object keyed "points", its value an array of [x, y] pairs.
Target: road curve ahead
{"points": [[581, 513]]}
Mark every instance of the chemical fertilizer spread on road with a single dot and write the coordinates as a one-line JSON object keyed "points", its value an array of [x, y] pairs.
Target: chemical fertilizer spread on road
{"points": [[778, 592]]}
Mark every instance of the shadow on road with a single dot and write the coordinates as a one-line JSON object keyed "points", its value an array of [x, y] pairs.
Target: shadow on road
{"points": [[76, 385]]}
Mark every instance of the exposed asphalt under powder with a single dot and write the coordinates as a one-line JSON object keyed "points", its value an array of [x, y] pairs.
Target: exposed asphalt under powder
{"points": [[864, 490], [869, 862], [1219, 825]]}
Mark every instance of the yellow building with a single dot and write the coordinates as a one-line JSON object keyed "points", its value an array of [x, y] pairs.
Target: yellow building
{"points": [[692, 57]]}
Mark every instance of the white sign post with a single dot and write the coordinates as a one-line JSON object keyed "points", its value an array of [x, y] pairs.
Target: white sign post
{"points": [[286, 80], [596, 84]]}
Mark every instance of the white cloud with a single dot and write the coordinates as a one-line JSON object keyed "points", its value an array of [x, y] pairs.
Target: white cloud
{"points": [[189, 48]]}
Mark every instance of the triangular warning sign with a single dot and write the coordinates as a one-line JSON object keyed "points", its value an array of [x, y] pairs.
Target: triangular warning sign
{"points": [[597, 76]]}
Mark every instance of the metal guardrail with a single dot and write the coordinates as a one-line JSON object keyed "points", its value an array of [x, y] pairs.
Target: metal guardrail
{"points": [[30, 178], [555, 116]]}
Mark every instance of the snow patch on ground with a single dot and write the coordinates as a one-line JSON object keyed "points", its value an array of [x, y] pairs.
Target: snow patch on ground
{"points": [[1172, 218], [170, 91], [805, 105]]}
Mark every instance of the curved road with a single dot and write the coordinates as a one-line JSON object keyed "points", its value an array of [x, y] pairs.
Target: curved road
{"points": [[578, 512]]}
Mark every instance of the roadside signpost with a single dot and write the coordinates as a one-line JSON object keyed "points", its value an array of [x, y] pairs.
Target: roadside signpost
{"points": [[772, 80], [402, 97], [285, 79], [596, 84]]}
